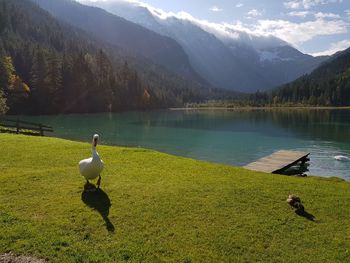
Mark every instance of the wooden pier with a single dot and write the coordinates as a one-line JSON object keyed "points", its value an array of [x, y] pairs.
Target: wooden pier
{"points": [[278, 162]]}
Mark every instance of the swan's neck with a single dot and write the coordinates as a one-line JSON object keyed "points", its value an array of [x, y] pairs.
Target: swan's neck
{"points": [[94, 153]]}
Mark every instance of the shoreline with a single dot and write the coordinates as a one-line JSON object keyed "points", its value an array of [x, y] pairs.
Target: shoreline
{"points": [[262, 108], [336, 178]]}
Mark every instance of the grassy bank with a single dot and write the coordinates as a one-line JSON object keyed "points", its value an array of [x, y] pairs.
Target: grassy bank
{"points": [[156, 207]]}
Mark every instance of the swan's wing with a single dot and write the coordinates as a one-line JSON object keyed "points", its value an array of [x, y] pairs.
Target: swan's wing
{"points": [[83, 164]]}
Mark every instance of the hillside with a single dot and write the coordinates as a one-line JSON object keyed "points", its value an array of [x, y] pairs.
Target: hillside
{"points": [[328, 85], [157, 207], [50, 67], [125, 34]]}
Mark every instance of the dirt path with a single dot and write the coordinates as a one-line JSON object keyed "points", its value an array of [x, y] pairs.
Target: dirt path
{"points": [[11, 258]]}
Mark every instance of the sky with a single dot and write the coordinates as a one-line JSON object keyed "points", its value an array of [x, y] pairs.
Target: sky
{"points": [[316, 27]]}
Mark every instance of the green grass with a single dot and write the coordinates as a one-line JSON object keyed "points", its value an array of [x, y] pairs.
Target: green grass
{"points": [[163, 209]]}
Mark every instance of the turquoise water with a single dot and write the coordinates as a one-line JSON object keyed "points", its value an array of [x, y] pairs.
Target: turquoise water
{"points": [[231, 137]]}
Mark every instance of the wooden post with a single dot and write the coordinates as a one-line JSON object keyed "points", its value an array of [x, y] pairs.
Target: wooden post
{"points": [[17, 126], [305, 160], [41, 130]]}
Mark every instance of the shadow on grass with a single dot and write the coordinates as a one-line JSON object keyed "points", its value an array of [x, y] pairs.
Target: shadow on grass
{"points": [[98, 200], [303, 213]]}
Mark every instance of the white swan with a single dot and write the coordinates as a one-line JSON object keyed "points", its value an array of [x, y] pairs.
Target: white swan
{"points": [[91, 168], [341, 158]]}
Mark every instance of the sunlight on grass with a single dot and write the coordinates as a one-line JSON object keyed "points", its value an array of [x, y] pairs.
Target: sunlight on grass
{"points": [[157, 207]]}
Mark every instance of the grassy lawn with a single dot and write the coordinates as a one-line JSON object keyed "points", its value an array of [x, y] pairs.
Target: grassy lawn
{"points": [[156, 207]]}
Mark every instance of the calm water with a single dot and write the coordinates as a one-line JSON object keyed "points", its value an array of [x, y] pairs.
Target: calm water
{"points": [[231, 137]]}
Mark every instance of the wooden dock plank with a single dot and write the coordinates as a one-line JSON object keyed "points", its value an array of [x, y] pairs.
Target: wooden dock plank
{"points": [[277, 161]]}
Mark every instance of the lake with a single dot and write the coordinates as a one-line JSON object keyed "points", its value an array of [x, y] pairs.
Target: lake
{"points": [[235, 137]]}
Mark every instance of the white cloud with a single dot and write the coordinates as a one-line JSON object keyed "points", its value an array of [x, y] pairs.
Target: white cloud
{"points": [[307, 4], [335, 47], [326, 15], [254, 13], [292, 4], [347, 12], [239, 5], [299, 13], [298, 33], [293, 33], [306, 13], [215, 9], [290, 32]]}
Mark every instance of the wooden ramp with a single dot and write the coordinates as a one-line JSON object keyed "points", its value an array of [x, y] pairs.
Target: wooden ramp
{"points": [[278, 161]]}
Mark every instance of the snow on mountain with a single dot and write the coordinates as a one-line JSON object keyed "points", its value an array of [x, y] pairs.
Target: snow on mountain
{"points": [[266, 55]]}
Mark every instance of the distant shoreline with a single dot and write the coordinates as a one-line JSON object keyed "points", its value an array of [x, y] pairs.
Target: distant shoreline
{"points": [[263, 108]]}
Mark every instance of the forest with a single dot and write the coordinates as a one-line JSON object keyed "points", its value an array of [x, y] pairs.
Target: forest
{"points": [[47, 67]]}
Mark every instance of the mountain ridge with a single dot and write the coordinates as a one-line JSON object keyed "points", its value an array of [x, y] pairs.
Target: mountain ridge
{"points": [[220, 59], [125, 34]]}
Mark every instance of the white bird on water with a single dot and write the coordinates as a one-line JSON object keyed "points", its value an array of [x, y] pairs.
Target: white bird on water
{"points": [[342, 158], [91, 168]]}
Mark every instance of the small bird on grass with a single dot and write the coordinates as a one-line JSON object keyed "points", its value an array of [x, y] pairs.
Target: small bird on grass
{"points": [[295, 201], [91, 168]]}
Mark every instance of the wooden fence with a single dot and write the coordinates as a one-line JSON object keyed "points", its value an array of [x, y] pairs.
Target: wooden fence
{"points": [[23, 127]]}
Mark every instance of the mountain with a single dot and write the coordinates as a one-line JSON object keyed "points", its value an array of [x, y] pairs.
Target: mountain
{"points": [[226, 58], [50, 67], [122, 33], [285, 63], [328, 85]]}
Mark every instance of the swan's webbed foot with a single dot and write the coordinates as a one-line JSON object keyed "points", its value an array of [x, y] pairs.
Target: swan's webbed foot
{"points": [[99, 182]]}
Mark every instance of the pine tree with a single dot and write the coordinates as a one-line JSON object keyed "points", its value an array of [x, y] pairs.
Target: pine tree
{"points": [[39, 95], [54, 82]]}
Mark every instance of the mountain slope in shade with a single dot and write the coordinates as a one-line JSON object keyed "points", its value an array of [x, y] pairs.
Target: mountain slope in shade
{"points": [[285, 63], [244, 62], [328, 85], [125, 34], [208, 55], [211, 58]]}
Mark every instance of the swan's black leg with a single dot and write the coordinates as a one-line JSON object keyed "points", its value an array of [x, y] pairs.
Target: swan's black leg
{"points": [[99, 182], [87, 186]]}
